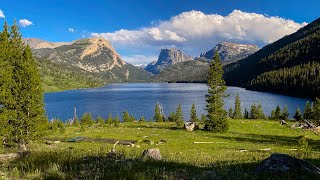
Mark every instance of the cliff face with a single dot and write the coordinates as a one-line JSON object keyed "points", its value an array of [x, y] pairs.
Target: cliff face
{"points": [[230, 51], [166, 58]]}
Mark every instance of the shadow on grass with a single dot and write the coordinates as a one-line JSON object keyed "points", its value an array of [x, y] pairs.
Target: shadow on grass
{"points": [[270, 139], [69, 165]]}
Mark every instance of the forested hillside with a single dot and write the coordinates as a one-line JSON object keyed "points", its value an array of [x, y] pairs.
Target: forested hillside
{"points": [[291, 62]]}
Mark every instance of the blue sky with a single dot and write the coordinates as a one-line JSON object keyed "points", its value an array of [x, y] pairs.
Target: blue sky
{"points": [[149, 25]]}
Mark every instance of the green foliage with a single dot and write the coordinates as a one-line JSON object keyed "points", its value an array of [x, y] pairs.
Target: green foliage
{"points": [[298, 115], [230, 114], [76, 122], [117, 121], [256, 112], [277, 114], [285, 113], [237, 108], [246, 114], [179, 116], [109, 120], [316, 111], [172, 117], [57, 125], [203, 118], [217, 116], [22, 115], [142, 119], [158, 116], [193, 114], [307, 114], [87, 120], [100, 121], [126, 117]]}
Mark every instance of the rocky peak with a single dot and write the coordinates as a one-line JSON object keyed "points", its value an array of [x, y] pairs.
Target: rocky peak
{"points": [[231, 51], [36, 43], [166, 58]]}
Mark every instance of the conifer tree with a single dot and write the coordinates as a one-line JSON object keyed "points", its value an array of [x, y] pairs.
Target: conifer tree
{"points": [[116, 121], [76, 122], [193, 114], [109, 119], [86, 120], [230, 113], [260, 112], [217, 116], [126, 117], [237, 108], [100, 120], [246, 114], [254, 112], [307, 113], [278, 113], [172, 117], [298, 115], [316, 111], [158, 116], [142, 119], [203, 118], [285, 113], [179, 116]]}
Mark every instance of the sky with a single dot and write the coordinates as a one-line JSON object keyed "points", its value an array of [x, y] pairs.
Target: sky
{"points": [[139, 29]]}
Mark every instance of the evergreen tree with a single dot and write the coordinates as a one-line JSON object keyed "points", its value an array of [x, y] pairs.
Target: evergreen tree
{"points": [[307, 114], [298, 115], [158, 116], [273, 115], [260, 112], [172, 117], [193, 114], [316, 111], [254, 112], [142, 119], [109, 119], [246, 114], [230, 113], [278, 114], [76, 122], [179, 116], [86, 119], [126, 117], [203, 118], [285, 113], [237, 108], [100, 120], [132, 119], [116, 121], [217, 116]]}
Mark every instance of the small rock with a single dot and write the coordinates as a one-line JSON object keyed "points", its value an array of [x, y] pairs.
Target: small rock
{"points": [[148, 142], [153, 153], [283, 122], [56, 142], [283, 163], [190, 126], [162, 141]]}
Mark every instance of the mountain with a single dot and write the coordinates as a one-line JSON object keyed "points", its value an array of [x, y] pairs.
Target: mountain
{"points": [[290, 65], [95, 56], [188, 71], [35, 43], [166, 58], [230, 51]]}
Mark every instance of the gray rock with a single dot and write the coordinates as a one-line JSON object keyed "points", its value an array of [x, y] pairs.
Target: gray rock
{"points": [[283, 162], [190, 126], [153, 153]]}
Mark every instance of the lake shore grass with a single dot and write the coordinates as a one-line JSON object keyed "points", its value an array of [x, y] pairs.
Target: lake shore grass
{"points": [[231, 155]]}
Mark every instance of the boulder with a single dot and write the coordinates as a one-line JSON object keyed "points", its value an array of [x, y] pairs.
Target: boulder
{"points": [[283, 163], [153, 153], [283, 122], [190, 126]]}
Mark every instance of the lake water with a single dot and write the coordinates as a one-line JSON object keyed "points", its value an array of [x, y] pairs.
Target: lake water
{"points": [[139, 99]]}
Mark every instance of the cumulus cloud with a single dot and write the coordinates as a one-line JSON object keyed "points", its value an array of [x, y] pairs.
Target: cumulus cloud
{"points": [[1, 14], [71, 30], [139, 59], [25, 22], [195, 32]]}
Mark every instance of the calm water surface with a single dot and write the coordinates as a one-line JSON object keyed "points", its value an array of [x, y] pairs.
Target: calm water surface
{"points": [[140, 98]]}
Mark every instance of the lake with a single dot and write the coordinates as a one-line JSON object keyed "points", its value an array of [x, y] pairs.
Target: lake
{"points": [[139, 99]]}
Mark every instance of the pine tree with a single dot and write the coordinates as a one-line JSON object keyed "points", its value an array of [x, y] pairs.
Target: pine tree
{"points": [[158, 117], [307, 114], [237, 108], [116, 121], [273, 115], [246, 114], [260, 112], [298, 115], [285, 113], [203, 118], [109, 120], [193, 114], [100, 120], [86, 120], [172, 117], [316, 111], [126, 117], [142, 119], [179, 116], [75, 122], [217, 117], [230, 114], [278, 114], [254, 112]]}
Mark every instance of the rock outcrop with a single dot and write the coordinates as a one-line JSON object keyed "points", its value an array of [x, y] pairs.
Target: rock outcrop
{"points": [[153, 153], [166, 58]]}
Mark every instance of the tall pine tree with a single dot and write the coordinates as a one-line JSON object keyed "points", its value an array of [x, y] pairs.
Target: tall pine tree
{"points": [[217, 116], [237, 108], [193, 114]]}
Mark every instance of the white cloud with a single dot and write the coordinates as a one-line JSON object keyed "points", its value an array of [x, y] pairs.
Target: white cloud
{"points": [[25, 22], [1, 14], [195, 32], [139, 59], [71, 30]]}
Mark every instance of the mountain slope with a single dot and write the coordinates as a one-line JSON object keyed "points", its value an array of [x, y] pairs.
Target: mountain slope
{"points": [[231, 51], [188, 71], [96, 56], [166, 58], [35, 43], [284, 55]]}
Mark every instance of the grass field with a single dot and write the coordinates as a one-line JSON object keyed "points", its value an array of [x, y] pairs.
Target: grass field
{"points": [[232, 155]]}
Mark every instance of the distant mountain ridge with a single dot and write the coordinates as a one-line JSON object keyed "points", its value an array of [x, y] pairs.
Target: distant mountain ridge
{"points": [[166, 58], [230, 51], [36, 43]]}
